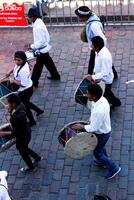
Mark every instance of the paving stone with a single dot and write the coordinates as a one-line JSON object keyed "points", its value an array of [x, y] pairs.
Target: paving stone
{"points": [[58, 176]]}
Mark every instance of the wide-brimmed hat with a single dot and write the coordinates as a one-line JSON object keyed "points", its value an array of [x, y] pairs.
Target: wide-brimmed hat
{"points": [[33, 12], [83, 11]]}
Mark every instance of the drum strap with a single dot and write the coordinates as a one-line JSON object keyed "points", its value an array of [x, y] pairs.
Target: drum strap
{"points": [[3, 186]]}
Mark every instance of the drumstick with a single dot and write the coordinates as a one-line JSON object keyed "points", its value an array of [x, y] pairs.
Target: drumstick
{"points": [[131, 81]]}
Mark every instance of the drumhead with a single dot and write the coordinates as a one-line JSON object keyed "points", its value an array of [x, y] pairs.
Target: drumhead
{"points": [[81, 145]]}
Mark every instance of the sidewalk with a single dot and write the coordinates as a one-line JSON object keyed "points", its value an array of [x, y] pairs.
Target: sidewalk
{"points": [[59, 177]]}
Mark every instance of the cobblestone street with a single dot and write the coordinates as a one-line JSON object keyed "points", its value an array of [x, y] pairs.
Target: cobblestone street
{"points": [[60, 177]]}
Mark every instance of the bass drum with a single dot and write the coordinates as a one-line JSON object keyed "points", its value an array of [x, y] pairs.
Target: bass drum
{"points": [[77, 143]]}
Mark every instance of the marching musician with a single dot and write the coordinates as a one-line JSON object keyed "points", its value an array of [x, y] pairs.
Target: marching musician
{"points": [[103, 70], [100, 125], [94, 27], [41, 44], [21, 131], [22, 79]]}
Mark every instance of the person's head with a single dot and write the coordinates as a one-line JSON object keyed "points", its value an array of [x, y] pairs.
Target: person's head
{"points": [[83, 12], [94, 92], [33, 14], [97, 43], [20, 58], [13, 101]]}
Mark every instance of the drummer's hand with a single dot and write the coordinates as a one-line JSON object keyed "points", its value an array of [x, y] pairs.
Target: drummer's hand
{"points": [[77, 126], [89, 77], [11, 81]]}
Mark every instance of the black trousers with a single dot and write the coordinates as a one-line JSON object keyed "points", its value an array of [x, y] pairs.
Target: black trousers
{"points": [[92, 64], [43, 59], [25, 98], [26, 153], [112, 99]]}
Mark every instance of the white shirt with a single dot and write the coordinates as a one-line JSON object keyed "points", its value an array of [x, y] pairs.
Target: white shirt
{"points": [[41, 36], [24, 76], [100, 117], [94, 28], [3, 191], [97, 31], [103, 66]]}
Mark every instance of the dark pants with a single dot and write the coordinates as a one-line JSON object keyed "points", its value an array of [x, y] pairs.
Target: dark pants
{"points": [[44, 59], [101, 154], [112, 99], [92, 64], [26, 152], [25, 98]]}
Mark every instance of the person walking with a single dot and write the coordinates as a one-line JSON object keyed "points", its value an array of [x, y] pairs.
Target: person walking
{"points": [[22, 80], [21, 131], [41, 45], [103, 70], [100, 125], [94, 27]]}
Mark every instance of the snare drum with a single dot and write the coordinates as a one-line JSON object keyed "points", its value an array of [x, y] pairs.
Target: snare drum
{"points": [[76, 143], [81, 91], [30, 55], [6, 141]]}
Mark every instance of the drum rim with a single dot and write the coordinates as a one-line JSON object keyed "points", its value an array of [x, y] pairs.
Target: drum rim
{"points": [[71, 123]]}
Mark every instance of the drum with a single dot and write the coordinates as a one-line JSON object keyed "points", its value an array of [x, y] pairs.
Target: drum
{"points": [[81, 91], [5, 90], [6, 141], [30, 55], [76, 143]]}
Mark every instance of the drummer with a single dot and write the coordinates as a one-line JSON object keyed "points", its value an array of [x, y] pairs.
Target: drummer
{"points": [[100, 125], [22, 132], [103, 70], [22, 79]]}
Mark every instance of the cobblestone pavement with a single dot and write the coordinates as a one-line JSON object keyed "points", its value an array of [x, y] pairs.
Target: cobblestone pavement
{"points": [[59, 177]]}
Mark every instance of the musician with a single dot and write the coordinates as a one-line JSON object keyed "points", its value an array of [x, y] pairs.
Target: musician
{"points": [[22, 132], [103, 69], [94, 27], [22, 79], [100, 125], [41, 42]]}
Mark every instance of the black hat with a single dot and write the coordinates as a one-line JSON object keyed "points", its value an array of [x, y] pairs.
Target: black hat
{"points": [[33, 12], [83, 11]]}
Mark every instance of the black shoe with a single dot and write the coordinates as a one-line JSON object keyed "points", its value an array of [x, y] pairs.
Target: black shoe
{"points": [[28, 170], [32, 123], [39, 113], [54, 78], [37, 160]]}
